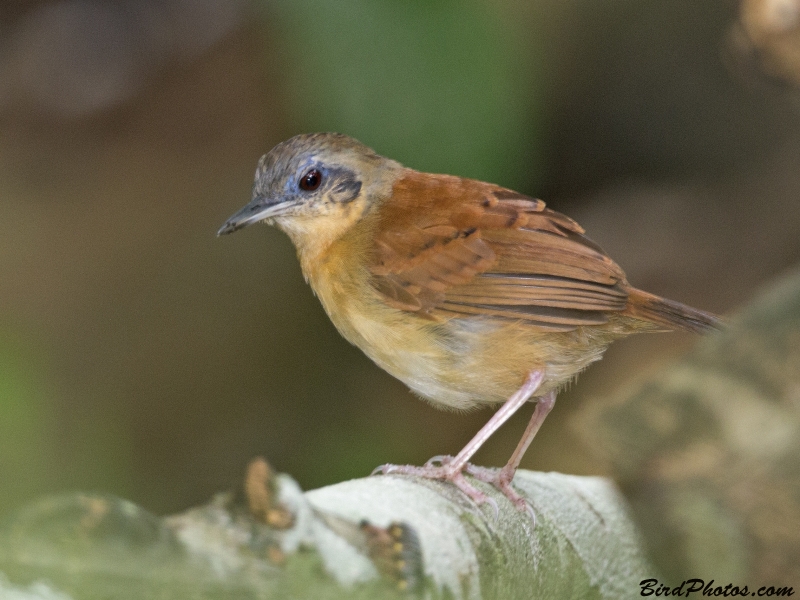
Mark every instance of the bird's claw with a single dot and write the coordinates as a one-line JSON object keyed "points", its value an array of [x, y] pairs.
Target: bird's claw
{"points": [[440, 459], [501, 479], [441, 472], [437, 469], [386, 469]]}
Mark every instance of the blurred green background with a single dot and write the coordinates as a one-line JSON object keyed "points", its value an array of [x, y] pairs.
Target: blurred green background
{"points": [[140, 355]]}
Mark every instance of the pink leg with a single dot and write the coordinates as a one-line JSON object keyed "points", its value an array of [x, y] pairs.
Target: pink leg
{"points": [[520, 397], [502, 479], [451, 469]]}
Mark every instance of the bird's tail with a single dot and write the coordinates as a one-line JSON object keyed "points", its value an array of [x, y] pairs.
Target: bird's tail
{"points": [[669, 314]]}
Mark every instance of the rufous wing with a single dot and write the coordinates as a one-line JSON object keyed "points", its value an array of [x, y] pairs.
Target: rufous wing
{"points": [[447, 246]]}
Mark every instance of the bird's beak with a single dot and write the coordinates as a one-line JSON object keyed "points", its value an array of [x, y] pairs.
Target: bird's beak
{"points": [[258, 209]]}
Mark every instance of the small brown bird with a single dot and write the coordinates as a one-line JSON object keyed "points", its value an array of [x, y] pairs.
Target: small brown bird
{"points": [[470, 293]]}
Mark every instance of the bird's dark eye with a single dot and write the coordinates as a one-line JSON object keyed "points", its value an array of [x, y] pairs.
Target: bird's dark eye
{"points": [[311, 180]]}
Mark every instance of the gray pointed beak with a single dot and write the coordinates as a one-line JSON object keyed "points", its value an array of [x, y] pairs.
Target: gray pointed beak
{"points": [[258, 209]]}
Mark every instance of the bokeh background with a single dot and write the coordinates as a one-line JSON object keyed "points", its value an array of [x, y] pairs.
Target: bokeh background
{"points": [[142, 356]]}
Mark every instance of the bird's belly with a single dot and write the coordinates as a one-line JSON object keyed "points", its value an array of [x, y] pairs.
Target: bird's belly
{"points": [[463, 363], [434, 363]]}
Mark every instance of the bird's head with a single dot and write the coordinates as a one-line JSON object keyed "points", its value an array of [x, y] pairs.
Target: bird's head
{"points": [[315, 187]]}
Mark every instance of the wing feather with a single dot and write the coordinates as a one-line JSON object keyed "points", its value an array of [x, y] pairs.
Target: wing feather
{"points": [[446, 246]]}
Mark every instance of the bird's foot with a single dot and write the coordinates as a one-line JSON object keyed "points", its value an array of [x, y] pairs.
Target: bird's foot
{"points": [[501, 479], [438, 468]]}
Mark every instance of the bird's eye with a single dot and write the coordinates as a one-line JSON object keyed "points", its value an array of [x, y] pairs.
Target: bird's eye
{"points": [[310, 181]]}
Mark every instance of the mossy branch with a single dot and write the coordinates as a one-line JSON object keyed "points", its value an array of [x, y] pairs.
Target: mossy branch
{"points": [[384, 536]]}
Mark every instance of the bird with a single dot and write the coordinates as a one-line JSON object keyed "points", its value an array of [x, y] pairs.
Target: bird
{"points": [[470, 293]]}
